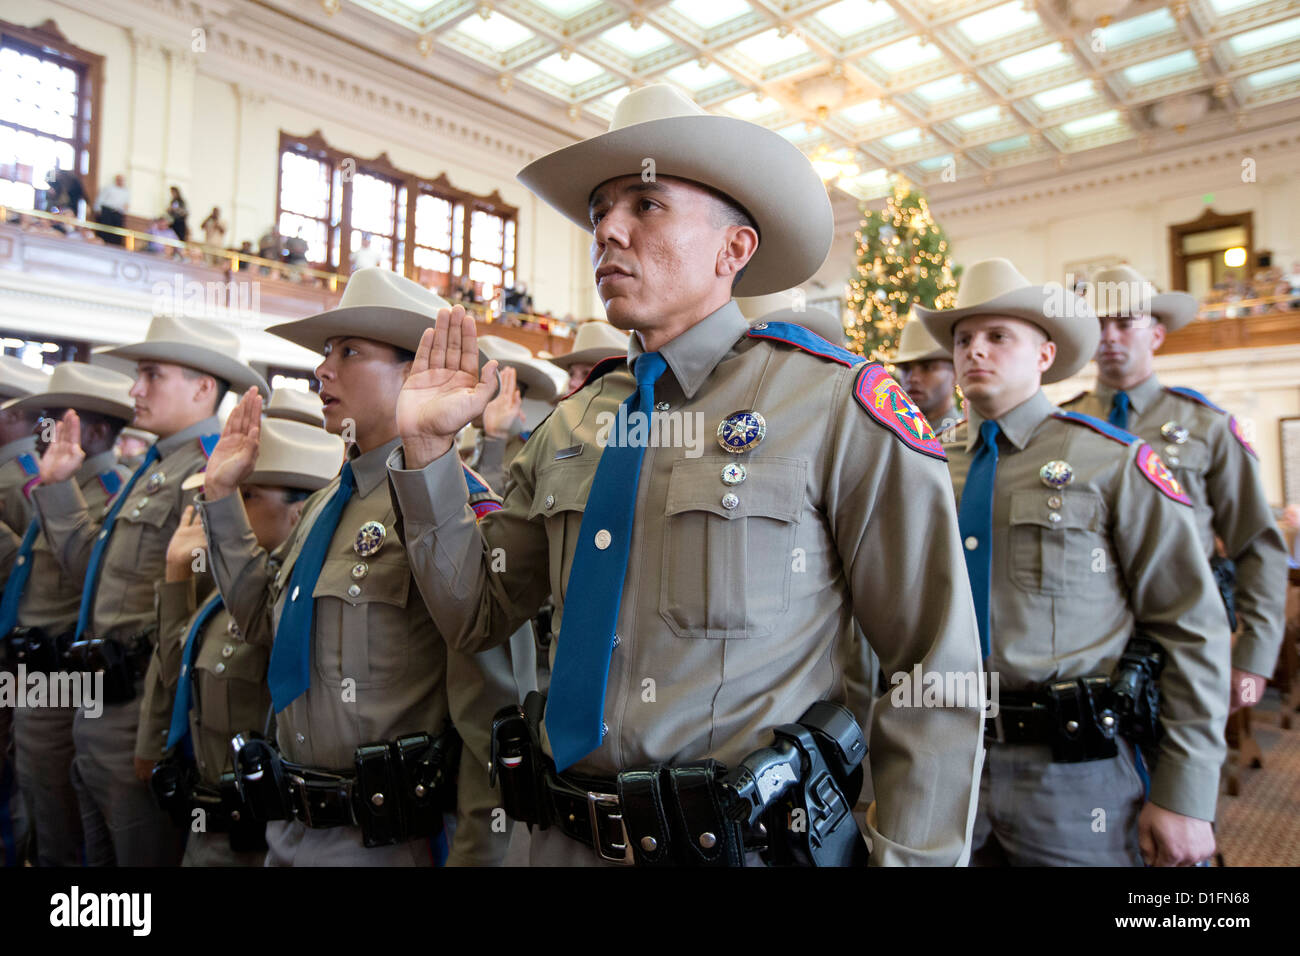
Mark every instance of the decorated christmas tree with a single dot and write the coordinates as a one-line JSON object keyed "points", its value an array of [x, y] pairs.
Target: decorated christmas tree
{"points": [[902, 258]]}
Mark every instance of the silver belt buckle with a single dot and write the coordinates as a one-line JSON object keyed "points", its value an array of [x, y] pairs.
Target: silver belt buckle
{"points": [[611, 802]]}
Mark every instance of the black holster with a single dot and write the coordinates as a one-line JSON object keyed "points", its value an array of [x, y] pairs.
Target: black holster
{"points": [[1085, 723], [37, 649], [179, 792], [1135, 691], [121, 662]]}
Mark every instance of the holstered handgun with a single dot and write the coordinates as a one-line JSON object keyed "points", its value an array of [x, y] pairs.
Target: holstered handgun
{"points": [[35, 648], [259, 777], [1135, 691], [172, 784]]}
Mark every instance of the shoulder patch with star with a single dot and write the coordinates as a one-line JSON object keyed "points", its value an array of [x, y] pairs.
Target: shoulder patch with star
{"points": [[886, 402], [1154, 470], [481, 497], [1113, 432]]}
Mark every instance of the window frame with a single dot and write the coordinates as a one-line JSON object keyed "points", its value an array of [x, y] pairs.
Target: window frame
{"points": [[46, 39]]}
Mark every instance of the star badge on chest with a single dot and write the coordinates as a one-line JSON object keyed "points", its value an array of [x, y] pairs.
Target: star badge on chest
{"points": [[1056, 474], [741, 431], [370, 538]]}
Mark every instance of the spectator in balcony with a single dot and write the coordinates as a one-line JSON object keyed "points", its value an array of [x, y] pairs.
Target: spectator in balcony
{"points": [[159, 227], [65, 195], [110, 208], [270, 246], [214, 233], [295, 255], [366, 256], [178, 213]]}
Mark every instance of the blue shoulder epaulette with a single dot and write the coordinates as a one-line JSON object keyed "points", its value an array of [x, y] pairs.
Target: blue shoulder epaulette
{"points": [[805, 339], [1195, 396], [28, 463], [599, 369], [1112, 432], [208, 443], [523, 435]]}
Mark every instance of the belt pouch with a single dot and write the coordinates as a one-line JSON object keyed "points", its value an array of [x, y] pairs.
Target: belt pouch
{"points": [[375, 798], [644, 817], [701, 831]]}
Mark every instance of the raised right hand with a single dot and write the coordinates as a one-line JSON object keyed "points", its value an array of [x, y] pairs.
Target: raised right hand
{"points": [[445, 390], [231, 462], [504, 409], [63, 456]]}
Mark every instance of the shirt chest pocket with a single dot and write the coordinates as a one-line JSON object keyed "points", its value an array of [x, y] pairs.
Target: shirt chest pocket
{"points": [[1189, 461], [231, 683], [365, 631], [727, 548], [142, 530], [560, 501], [1058, 544]]}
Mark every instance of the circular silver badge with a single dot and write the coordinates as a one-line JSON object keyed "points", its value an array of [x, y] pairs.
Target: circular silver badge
{"points": [[1174, 432], [370, 538], [1056, 474], [741, 431]]}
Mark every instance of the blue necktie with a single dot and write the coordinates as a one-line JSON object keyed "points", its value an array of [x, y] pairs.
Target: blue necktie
{"points": [[975, 519], [180, 726], [17, 581], [1119, 406], [576, 703], [289, 673], [101, 543]]}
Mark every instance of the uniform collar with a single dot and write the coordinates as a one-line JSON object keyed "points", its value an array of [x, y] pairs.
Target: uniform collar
{"points": [[1140, 397], [23, 446], [371, 468], [209, 426], [695, 353], [1018, 425], [95, 466], [944, 419]]}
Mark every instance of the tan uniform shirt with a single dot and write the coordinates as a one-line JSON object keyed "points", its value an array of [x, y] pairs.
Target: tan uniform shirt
{"points": [[1078, 571], [731, 617], [1222, 478], [230, 696], [15, 509], [52, 597], [135, 558], [379, 667]]}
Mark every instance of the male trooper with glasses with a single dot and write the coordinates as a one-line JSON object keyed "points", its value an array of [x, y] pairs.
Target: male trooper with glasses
{"points": [[1088, 585], [1208, 452], [700, 601]]}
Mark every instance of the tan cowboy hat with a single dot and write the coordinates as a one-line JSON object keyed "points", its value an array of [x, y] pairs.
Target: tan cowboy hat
{"points": [[543, 381], [756, 167], [594, 342], [86, 388], [1122, 290], [376, 304], [291, 455], [996, 287], [18, 380], [195, 343], [296, 406], [915, 344]]}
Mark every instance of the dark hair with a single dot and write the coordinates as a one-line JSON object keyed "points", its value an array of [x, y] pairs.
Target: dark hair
{"points": [[728, 212]]}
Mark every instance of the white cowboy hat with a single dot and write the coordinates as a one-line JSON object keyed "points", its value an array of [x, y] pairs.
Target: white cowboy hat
{"points": [[86, 388], [293, 405], [995, 287], [291, 455], [915, 344], [376, 304], [195, 343], [1122, 290], [595, 341], [543, 381], [757, 168], [18, 380]]}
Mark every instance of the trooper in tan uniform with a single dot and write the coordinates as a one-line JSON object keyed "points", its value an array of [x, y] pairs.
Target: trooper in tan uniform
{"points": [[745, 566], [596, 341], [228, 692], [1078, 540], [1208, 453], [17, 475], [378, 668], [925, 371], [184, 368], [41, 608], [528, 387]]}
